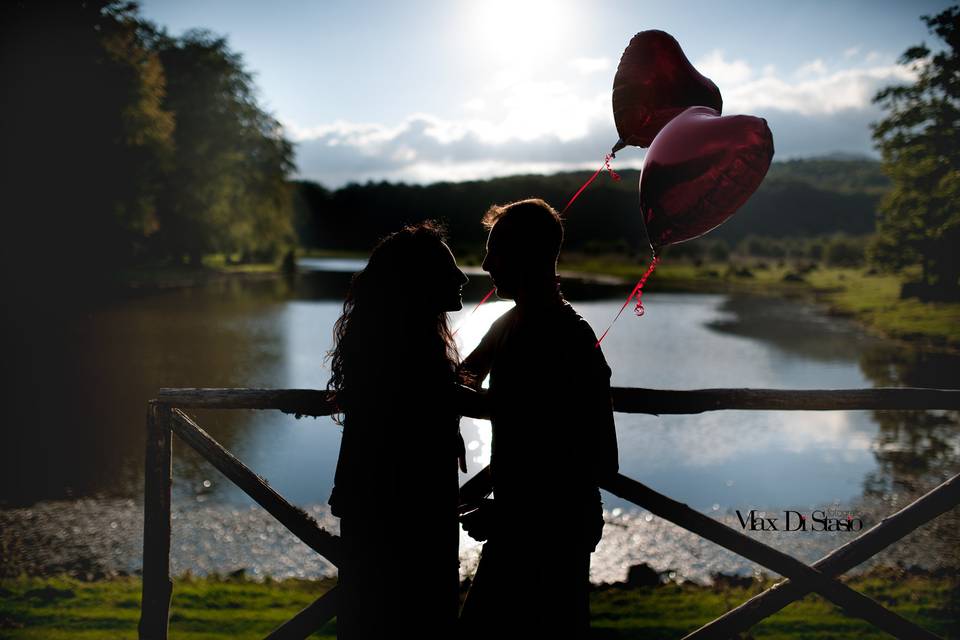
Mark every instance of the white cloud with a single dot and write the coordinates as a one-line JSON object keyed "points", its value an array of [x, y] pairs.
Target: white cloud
{"points": [[591, 65], [475, 104], [523, 124], [426, 149], [851, 52], [810, 90], [825, 94], [723, 72], [812, 68]]}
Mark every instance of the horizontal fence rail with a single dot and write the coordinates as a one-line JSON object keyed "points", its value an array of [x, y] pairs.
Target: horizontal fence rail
{"points": [[165, 417], [311, 402]]}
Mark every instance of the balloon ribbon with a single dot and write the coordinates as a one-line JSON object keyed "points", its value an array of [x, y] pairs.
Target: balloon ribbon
{"points": [[605, 165], [638, 292], [482, 300], [616, 178]]}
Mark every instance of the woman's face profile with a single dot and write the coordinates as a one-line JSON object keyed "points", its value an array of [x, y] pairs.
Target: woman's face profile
{"points": [[443, 281]]}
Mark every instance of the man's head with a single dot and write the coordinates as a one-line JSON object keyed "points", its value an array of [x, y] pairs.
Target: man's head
{"points": [[523, 246]]}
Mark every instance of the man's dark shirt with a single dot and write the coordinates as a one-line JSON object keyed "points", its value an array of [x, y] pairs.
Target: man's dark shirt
{"points": [[554, 438]]}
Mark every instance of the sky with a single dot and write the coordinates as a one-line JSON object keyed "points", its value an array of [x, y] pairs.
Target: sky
{"points": [[428, 90]]}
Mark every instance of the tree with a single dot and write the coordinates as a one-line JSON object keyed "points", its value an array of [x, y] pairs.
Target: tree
{"points": [[228, 189], [919, 219], [85, 140]]}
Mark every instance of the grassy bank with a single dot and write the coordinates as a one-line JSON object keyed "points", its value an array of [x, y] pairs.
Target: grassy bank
{"points": [[212, 268], [873, 299], [214, 608]]}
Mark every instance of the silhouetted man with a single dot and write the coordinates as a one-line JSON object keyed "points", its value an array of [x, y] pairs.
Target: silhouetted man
{"points": [[553, 439]]}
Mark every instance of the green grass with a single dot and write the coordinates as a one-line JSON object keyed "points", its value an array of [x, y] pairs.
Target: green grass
{"points": [[213, 266], [674, 610], [217, 608], [202, 609], [218, 262], [872, 299]]}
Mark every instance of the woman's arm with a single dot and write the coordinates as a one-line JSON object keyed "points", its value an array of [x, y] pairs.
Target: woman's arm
{"points": [[468, 401]]}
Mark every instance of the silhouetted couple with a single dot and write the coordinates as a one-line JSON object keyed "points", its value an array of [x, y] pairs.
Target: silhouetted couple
{"points": [[401, 390]]}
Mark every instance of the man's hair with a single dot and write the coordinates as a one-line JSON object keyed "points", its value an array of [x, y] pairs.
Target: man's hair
{"points": [[532, 224]]}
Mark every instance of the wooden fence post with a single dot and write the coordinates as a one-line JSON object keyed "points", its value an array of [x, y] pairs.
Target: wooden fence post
{"points": [[158, 478]]}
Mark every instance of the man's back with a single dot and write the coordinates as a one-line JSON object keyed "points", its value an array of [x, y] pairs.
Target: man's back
{"points": [[553, 430], [553, 442]]}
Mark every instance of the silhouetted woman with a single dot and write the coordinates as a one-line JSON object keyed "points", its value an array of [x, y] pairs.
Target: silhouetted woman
{"points": [[396, 486]]}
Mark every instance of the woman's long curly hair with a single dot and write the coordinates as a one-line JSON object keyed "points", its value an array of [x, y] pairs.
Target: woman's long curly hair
{"points": [[383, 332]]}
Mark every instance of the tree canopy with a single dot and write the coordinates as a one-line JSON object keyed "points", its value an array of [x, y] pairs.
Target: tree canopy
{"points": [[802, 198], [123, 144], [919, 219]]}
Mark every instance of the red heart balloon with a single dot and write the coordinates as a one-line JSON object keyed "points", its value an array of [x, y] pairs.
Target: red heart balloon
{"points": [[699, 170], [653, 84]]}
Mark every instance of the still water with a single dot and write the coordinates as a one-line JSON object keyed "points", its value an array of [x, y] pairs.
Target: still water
{"points": [[275, 333]]}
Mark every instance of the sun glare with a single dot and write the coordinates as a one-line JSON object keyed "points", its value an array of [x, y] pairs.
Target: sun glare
{"points": [[521, 31]]}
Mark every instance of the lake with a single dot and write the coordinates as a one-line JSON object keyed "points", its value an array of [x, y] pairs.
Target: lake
{"points": [[81, 462]]}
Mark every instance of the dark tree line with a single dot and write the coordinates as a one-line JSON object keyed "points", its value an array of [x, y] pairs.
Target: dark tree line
{"points": [[123, 144], [799, 199]]}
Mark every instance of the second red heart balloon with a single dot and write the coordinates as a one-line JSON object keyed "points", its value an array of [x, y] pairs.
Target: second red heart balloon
{"points": [[699, 170]]}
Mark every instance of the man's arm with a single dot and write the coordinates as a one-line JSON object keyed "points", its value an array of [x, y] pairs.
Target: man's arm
{"points": [[475, 367], [467, 397]]}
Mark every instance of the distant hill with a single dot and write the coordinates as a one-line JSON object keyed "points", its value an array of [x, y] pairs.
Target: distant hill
{"points": [[798, 198]]}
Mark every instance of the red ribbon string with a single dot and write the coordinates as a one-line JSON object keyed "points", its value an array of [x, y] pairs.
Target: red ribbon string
{"points": [[613, 174], [638, 292], [482, 300], [605, 165]]}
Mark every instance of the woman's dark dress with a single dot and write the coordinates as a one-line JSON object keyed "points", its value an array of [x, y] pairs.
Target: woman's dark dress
{"points": [[396, 492]]}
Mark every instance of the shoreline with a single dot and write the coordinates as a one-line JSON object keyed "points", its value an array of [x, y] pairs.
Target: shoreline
{"points": [[870, 299]]}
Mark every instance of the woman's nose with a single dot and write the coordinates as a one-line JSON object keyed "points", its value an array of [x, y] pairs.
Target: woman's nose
{"points": [[463, 277]]}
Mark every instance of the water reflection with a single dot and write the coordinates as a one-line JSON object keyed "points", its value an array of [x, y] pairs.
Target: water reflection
{"points": [[913, 451], [77, 426], [107, 362]]}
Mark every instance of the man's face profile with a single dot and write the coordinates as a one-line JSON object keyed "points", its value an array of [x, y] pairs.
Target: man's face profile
{"points": [[497, 264]]}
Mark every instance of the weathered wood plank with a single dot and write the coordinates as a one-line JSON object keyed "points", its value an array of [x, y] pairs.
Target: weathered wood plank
{"points": [[476, 488], [308, 402], [662, 401], [309, 619], [892, 528], [157, 586], [293, 518], [786, 565], [312, 402]]}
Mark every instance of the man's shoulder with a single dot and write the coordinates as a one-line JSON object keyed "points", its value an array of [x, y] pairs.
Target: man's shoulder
{"points": [[581, 339], [574, 323], [504, 320]]}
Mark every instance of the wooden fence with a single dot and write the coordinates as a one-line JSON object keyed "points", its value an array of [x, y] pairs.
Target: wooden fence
{"points": [[165, 417]]}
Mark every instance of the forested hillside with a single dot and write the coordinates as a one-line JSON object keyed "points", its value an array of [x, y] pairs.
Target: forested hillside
{"points": [[799, 198]]}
